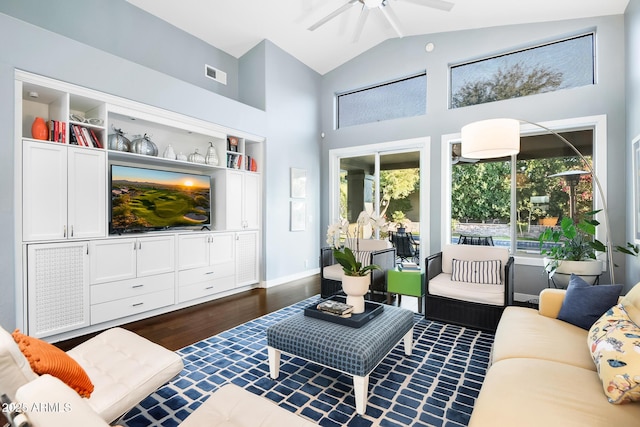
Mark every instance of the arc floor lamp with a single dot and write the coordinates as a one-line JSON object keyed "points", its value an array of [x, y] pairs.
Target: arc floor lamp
{"points": [[494, 138]]}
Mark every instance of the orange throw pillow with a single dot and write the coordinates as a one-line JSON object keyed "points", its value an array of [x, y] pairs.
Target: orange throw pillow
{"points": [[46, 358]]}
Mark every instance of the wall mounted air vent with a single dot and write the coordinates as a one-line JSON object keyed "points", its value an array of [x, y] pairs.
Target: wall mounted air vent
{"points": [[215, 74]]}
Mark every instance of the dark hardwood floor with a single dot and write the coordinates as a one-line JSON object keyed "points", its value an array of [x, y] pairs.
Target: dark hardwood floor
{"points": [[184, 327]]}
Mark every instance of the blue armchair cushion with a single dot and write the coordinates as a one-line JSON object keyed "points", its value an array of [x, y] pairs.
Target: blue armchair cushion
{"points": [[584, 303]]}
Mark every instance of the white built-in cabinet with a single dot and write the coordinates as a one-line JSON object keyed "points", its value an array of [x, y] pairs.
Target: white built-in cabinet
{"points": [[241, 195], [64, 192], [206, 265], [77, 277], [57, 288]]}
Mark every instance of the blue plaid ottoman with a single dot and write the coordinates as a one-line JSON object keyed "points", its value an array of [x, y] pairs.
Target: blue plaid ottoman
{"points": [[353, 351]]}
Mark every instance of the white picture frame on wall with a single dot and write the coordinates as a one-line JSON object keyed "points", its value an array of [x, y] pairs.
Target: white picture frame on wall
{"points": [[298, 183], [298, 214]]}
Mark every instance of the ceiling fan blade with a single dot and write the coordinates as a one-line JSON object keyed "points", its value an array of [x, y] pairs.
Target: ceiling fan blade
{"points": [[391, 17], [362, 18], [333, 14], [435, 4]]}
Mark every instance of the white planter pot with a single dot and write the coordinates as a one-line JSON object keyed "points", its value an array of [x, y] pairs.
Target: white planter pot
{"points": [[588, 270], [356, 287]]}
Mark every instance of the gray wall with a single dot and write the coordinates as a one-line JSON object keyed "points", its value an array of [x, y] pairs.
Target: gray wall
{"points": [[398, 57], [293, 116], [119, 28], [632, 69]]}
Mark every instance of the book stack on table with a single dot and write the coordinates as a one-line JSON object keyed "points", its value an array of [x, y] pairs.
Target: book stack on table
{"points": [[335, 308]]}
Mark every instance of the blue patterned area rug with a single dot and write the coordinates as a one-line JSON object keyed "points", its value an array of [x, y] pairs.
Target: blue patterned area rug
{"points": [[436, 386]]}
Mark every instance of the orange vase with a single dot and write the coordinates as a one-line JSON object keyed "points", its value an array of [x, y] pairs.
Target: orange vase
{"points": [[39, 129]]}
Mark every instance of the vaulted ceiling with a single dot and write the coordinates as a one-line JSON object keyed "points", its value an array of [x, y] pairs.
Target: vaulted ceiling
{"points": [[236, 26]]}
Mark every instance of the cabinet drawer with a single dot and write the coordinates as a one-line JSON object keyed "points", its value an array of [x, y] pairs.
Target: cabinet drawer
{"points": [[198, 290], [129, 306], [197, 275], [112, 291]]}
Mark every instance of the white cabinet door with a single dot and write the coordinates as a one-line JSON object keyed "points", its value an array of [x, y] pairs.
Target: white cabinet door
{"points": [[155, 255], [251, 201], [234, 201], [222, 248], [193, 250], [246, 258], [44, 192], [57, 288], [87, 193], [113, 260]]}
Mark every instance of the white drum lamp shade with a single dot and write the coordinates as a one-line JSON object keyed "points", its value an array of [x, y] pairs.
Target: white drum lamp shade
{"points": [[488, 139]]}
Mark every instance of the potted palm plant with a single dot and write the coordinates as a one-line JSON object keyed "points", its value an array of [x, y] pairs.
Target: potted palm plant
{"points": [[572, 247]]}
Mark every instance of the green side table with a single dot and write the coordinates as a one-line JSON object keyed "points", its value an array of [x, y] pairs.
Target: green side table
{"points": [[407, 282]]}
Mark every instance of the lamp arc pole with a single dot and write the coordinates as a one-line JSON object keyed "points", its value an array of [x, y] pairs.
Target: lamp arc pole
{"points": [[598, 187]]}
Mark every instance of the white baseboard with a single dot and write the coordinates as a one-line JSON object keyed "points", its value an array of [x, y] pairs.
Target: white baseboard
{"points": [[286, 279]]}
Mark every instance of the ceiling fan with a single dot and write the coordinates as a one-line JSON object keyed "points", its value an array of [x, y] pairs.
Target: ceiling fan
{"points": [[384, 6], [456, 157]]}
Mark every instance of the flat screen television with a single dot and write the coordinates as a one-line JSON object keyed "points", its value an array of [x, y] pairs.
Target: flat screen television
{"points": [[145, 199]]}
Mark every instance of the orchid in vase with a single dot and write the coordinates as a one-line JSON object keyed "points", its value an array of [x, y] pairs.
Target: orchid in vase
{"points": [[352, 263]]}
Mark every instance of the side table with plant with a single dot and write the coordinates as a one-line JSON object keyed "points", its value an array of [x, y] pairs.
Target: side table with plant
{"points": [[574, 247]]}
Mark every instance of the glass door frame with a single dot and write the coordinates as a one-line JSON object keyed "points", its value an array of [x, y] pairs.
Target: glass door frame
{"points": [[421, 145]]}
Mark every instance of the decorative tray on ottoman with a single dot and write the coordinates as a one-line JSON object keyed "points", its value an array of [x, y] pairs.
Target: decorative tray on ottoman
{"points": [[371, 310]]}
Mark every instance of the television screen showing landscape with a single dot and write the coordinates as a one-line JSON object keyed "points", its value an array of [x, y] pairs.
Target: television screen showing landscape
{"points": [[156, 199]]}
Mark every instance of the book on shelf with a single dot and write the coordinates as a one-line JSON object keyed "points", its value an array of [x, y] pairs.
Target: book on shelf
{"points": [[96, 141], [57, 131], [335, 307]]}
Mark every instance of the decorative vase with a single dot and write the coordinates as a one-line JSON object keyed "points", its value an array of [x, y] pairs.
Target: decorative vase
{"points": [[196, 157], [169, 153], [212, 155], [118, 142], [588, 270], [144, 145], [39, 129], [356, 287], [181, 156]]}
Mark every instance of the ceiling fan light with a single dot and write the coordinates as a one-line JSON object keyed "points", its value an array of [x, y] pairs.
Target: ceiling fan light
{"points": [[372, 4]]}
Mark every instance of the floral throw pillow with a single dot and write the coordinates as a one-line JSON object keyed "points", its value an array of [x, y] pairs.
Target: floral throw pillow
{"points": [[614, 341]]}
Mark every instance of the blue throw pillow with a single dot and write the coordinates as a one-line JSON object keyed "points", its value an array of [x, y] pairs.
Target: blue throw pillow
{"points": [[584, 303]]}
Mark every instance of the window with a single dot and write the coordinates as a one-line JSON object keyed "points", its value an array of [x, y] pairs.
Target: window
{"points": [[553, 66], [405, 97], [550, 183]]}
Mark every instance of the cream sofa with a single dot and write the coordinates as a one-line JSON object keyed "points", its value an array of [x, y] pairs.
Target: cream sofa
{"points": [[542, 373]]}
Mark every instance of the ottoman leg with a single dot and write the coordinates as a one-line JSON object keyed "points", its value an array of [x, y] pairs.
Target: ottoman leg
{"points": [[360, 390], [274, 362], [408, 342]]}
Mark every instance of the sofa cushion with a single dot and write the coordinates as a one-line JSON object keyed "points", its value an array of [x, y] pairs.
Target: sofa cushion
{"points": [[534, 392], [443, 286], [125, 369], [523, 333], [614, 340], [472, 253], [584, 303], [46, 358], [15, 368], [631, 302], [233, 406], [482, 272]]}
